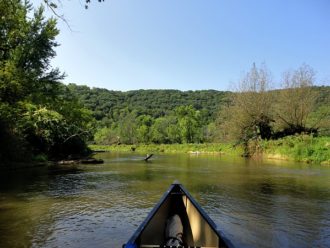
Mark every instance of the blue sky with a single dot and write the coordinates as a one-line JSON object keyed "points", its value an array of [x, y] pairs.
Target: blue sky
{"points": [[188, 44]]}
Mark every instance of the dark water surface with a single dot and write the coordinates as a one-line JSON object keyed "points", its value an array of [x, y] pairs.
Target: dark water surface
{"points": [[255, 203]]}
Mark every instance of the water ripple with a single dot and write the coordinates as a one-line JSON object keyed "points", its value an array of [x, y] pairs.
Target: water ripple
{"points": [[101, 206]]}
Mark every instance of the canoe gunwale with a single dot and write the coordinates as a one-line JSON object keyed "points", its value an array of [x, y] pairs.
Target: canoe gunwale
{"points": [[140, 229], [207, 218], [222, 239]]}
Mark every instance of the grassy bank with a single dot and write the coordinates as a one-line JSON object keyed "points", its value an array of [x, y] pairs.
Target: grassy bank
{"points": [[303, 148], [213, 148]]}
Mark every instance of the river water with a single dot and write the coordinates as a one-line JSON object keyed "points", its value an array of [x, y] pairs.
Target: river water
{"points": [[254, 203]]}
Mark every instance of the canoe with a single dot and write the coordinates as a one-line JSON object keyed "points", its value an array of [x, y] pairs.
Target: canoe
{"points": [[198, 229]]}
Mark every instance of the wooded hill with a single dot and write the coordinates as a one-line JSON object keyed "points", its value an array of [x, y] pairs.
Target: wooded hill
{"points": [[173, 116], [156, 103]]}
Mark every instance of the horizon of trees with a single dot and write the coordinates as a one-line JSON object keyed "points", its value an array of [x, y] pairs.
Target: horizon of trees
{"points": [[152, 116]]}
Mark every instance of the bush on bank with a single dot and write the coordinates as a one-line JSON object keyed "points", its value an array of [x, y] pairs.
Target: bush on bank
{"points": [[305, 148]]}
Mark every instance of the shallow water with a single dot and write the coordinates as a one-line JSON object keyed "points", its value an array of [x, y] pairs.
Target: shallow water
{"points": [[255, 203]]}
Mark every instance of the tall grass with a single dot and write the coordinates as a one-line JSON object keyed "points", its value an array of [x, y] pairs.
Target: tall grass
{"points": [[300, 148]]}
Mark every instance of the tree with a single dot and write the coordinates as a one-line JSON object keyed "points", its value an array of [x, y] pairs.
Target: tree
{"points": [[144, 128], [159, 131], [173, 130], [296, 102], [36, 110], [49, 132], [249, 114], [26, 49], [127, 127], [189, 121]]}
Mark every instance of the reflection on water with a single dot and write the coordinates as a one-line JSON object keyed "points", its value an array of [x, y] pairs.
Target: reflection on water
{"points": [[255, 203]]}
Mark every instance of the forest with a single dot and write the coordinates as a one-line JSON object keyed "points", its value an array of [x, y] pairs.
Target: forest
{"points": [[172, 116], [41, 118]]}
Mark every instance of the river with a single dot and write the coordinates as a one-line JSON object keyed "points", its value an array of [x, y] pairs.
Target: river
{"points": [[254, 203]]}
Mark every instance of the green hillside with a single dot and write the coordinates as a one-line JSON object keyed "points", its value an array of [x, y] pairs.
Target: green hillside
{"points": [[156, 103]]}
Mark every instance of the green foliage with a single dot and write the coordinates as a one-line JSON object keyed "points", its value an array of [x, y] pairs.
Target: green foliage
{"points": [[27, 46], [183, 124], [37, 113], [189, 124], [170, 118], [300, 148], [160, 131], [107, 105], [12, 147], [52, 133], [43, 125], [106, 136], [143, 132], [320, 117]]}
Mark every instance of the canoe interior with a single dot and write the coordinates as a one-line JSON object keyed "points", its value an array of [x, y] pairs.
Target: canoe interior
{"points": [[198, 229]]}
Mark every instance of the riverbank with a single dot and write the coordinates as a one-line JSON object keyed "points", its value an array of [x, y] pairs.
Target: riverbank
{"points": [[302, 148], [42, 161], [209, 148]]}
